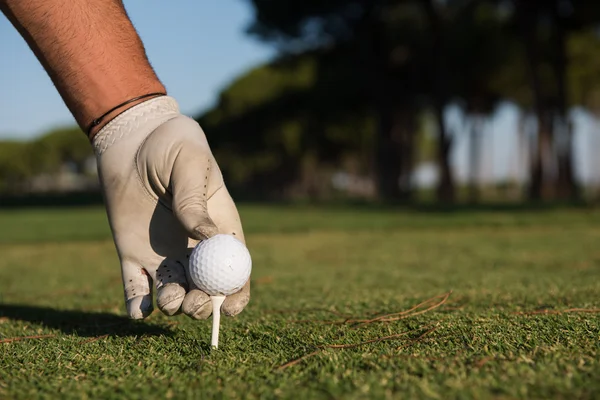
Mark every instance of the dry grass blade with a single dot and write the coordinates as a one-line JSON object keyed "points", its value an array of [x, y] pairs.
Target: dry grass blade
{"points": [[376, 340], [421, 304], [554, 312], [417, 339], [16, 339], [314, 309], [408, 313], [411, 312], [421, 308], [298, 360], [94, 339], [353, 345]]}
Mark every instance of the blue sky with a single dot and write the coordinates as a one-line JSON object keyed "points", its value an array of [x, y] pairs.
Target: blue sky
{"points": [[196, 47]]}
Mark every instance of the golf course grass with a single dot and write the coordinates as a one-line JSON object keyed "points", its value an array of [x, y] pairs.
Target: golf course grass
{"points": [[347, 303]]}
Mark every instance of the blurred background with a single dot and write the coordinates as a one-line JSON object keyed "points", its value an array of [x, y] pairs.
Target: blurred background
{"points": [[447, 101]]}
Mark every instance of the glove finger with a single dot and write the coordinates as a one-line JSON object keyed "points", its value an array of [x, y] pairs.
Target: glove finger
{"points": [[171, 286], [193, 178], [235, 304], [190, 178], [197, 304], [225, 214], [138, 290]]}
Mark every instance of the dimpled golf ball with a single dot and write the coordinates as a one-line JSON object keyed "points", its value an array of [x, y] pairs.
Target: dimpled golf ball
{"points": [[220, 265]]}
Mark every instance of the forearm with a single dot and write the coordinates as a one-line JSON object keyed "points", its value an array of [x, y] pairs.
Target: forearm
{"points": [[91, 51]]}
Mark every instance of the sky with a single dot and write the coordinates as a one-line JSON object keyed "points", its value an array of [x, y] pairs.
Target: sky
{"points": [[197, 48]]}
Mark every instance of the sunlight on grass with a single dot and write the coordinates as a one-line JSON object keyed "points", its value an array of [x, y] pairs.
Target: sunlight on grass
{"points": [[501, 333]]}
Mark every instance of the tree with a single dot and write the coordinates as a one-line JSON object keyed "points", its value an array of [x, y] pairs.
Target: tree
{"points": [[477, 52], [545, 27], [440, 96], [270, 124], [381, 64], [14, 166], [20, 161], [374, 45]]}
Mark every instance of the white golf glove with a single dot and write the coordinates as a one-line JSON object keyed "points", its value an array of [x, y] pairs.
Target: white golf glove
{"points": [[164, 192]]}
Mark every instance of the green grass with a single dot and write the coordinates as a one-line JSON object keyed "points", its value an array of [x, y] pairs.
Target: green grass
{"points": [[59, 276]]}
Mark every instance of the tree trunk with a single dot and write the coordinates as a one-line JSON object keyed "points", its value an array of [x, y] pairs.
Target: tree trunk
{"points": [[524, 155], [542, 159], [405, 126], [445, 189], [373, 54], [387, 155], [540, 184], [567, 187]]}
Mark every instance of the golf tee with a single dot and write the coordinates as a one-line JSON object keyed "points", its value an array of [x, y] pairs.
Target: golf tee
{"points": [[217, 301]]}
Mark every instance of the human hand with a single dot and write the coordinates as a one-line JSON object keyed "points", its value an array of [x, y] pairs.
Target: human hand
{"points": [[164, 193]]}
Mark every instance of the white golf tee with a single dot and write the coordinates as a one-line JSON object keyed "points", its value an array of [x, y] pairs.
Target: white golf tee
{"points": [[217, 301]]}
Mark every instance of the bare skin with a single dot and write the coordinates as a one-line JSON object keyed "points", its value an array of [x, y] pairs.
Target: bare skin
{"points": [[91, 51]]}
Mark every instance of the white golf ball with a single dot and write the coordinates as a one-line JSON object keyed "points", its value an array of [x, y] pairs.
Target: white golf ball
{"points": [[220, 265]]}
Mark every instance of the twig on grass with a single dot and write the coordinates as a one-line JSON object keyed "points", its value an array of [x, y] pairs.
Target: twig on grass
{"points": [[417, 339], [16, 339], [408, 313], [94, 339], [421, 308], [554, 312], [298, 360], [291, 311], [411, 312], [480, 363], [353, 345]]}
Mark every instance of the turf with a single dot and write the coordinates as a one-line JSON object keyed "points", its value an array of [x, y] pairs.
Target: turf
{"points": [[521, 320]]}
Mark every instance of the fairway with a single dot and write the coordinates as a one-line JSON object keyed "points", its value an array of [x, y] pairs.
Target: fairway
{"points": [[502, 304]]}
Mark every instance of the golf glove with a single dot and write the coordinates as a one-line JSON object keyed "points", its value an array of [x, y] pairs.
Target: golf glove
{"points": [[164, 193]]}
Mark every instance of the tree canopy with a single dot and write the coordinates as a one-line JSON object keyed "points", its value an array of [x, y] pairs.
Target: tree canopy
{"points": [[363, 88], [386, 62]]}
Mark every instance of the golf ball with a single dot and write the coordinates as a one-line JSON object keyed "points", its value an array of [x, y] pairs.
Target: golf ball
{"points": [[220, 265]]}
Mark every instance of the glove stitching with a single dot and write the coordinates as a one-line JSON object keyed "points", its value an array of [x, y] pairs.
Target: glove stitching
{"points": [[111, 130], [143, 108], [125, 129], [131, 120]]}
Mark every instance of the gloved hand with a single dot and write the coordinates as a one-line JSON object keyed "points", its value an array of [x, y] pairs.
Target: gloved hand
{"points": [[164, 192]]}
